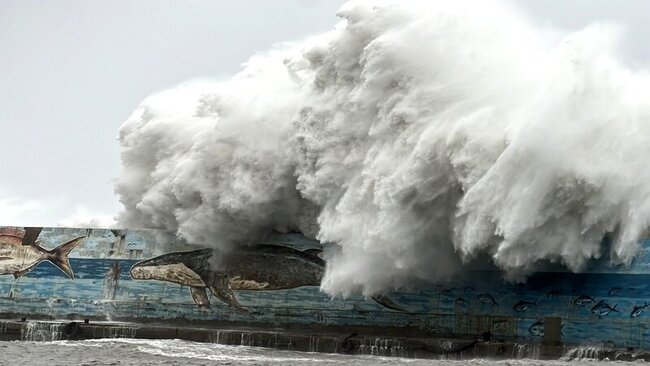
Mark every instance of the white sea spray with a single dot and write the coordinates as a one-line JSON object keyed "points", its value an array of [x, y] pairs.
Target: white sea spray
{"points": [[415, 136]]}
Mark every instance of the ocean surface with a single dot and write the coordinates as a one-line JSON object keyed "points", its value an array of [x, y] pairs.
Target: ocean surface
{"points": [[143, 352]]}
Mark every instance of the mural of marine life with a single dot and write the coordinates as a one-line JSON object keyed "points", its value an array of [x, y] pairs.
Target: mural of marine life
{"points": [[255, 268], [448, 291], [500, 326], [101, 290], [537, 328], [461, 302], [638, 309], [20, 252], [602, 309], [614, 291], [553, 294], [111, 281], [523, 305], [583, 300], [487, 299]]}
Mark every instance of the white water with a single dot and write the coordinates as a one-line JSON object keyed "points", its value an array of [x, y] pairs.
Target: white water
{"points": [[584, 352], [176, 352], [55, 331], [415, 136]]}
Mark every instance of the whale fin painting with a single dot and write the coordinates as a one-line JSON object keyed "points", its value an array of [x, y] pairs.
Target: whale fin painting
{"points": [[21, 253], [200, 296], [220, 287]]}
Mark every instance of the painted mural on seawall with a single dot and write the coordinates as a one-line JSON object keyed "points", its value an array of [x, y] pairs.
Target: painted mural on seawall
{"points": [[129, 275]]}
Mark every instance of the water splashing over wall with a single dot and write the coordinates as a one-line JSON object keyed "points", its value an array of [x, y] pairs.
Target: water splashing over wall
{"points": [[415, 136], [42, 331]]}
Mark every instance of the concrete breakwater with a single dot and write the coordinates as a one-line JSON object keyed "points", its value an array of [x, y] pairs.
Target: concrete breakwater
{"points": [[127, 286], [295, 340], [306, 341], [123, 275]]}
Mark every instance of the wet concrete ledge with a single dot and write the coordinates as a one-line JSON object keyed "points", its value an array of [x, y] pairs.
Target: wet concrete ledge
{"points": [[283, 339], [307, 340]]}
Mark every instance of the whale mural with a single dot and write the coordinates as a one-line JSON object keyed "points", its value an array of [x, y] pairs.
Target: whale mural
{"points": [[255, 268]]}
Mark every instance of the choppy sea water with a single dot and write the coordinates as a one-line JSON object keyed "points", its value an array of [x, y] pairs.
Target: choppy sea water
{"points": [[142, 352]]}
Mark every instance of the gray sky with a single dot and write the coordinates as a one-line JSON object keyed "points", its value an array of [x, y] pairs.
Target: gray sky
{"points": [[72, 71]]}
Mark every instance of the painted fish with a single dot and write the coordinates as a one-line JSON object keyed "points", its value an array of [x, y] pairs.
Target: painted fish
{"points": [[583, 300], [500, 326], [447, 291], [20, 253], [461, 302], [524, 305], [613, 291], [638, 309], [537, 328], [553, 294], [602, 309], [487, 299], [255, 268]]}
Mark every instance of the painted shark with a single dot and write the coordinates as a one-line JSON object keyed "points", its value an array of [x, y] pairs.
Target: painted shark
{"points": [[261, 267], [20, 252]]}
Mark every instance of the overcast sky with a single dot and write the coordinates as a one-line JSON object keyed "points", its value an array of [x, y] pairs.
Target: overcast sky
{"points": [[72, 71]]}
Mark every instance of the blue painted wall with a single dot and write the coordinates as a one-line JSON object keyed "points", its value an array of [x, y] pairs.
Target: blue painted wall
{"points": [[474, 302]]}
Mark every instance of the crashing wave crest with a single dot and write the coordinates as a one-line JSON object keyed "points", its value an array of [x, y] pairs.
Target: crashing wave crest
{"points": [[415, 136]]}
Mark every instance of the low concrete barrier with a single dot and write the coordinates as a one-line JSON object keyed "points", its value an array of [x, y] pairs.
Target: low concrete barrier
{"points": [[309, 341]]}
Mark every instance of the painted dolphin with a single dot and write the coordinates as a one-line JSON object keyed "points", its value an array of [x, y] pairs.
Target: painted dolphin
{"points": [[261, 267], [20, 252]]}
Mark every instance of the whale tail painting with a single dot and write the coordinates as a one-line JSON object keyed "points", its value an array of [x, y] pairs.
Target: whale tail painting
{"points": [[20, 252], [59, 256]]}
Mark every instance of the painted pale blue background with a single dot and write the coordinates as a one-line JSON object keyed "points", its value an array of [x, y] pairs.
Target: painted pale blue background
{"points": [[450, 308]]}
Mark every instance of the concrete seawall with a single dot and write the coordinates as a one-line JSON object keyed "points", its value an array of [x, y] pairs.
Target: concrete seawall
{"points": [[476, 314], [309, 341]]}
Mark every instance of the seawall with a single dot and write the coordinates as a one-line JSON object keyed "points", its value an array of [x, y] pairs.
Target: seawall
{"points": [[604, 305], [310, 341]]}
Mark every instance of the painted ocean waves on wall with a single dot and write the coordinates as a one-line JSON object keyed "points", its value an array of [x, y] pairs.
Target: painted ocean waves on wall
{"points": [[123, 275]]}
